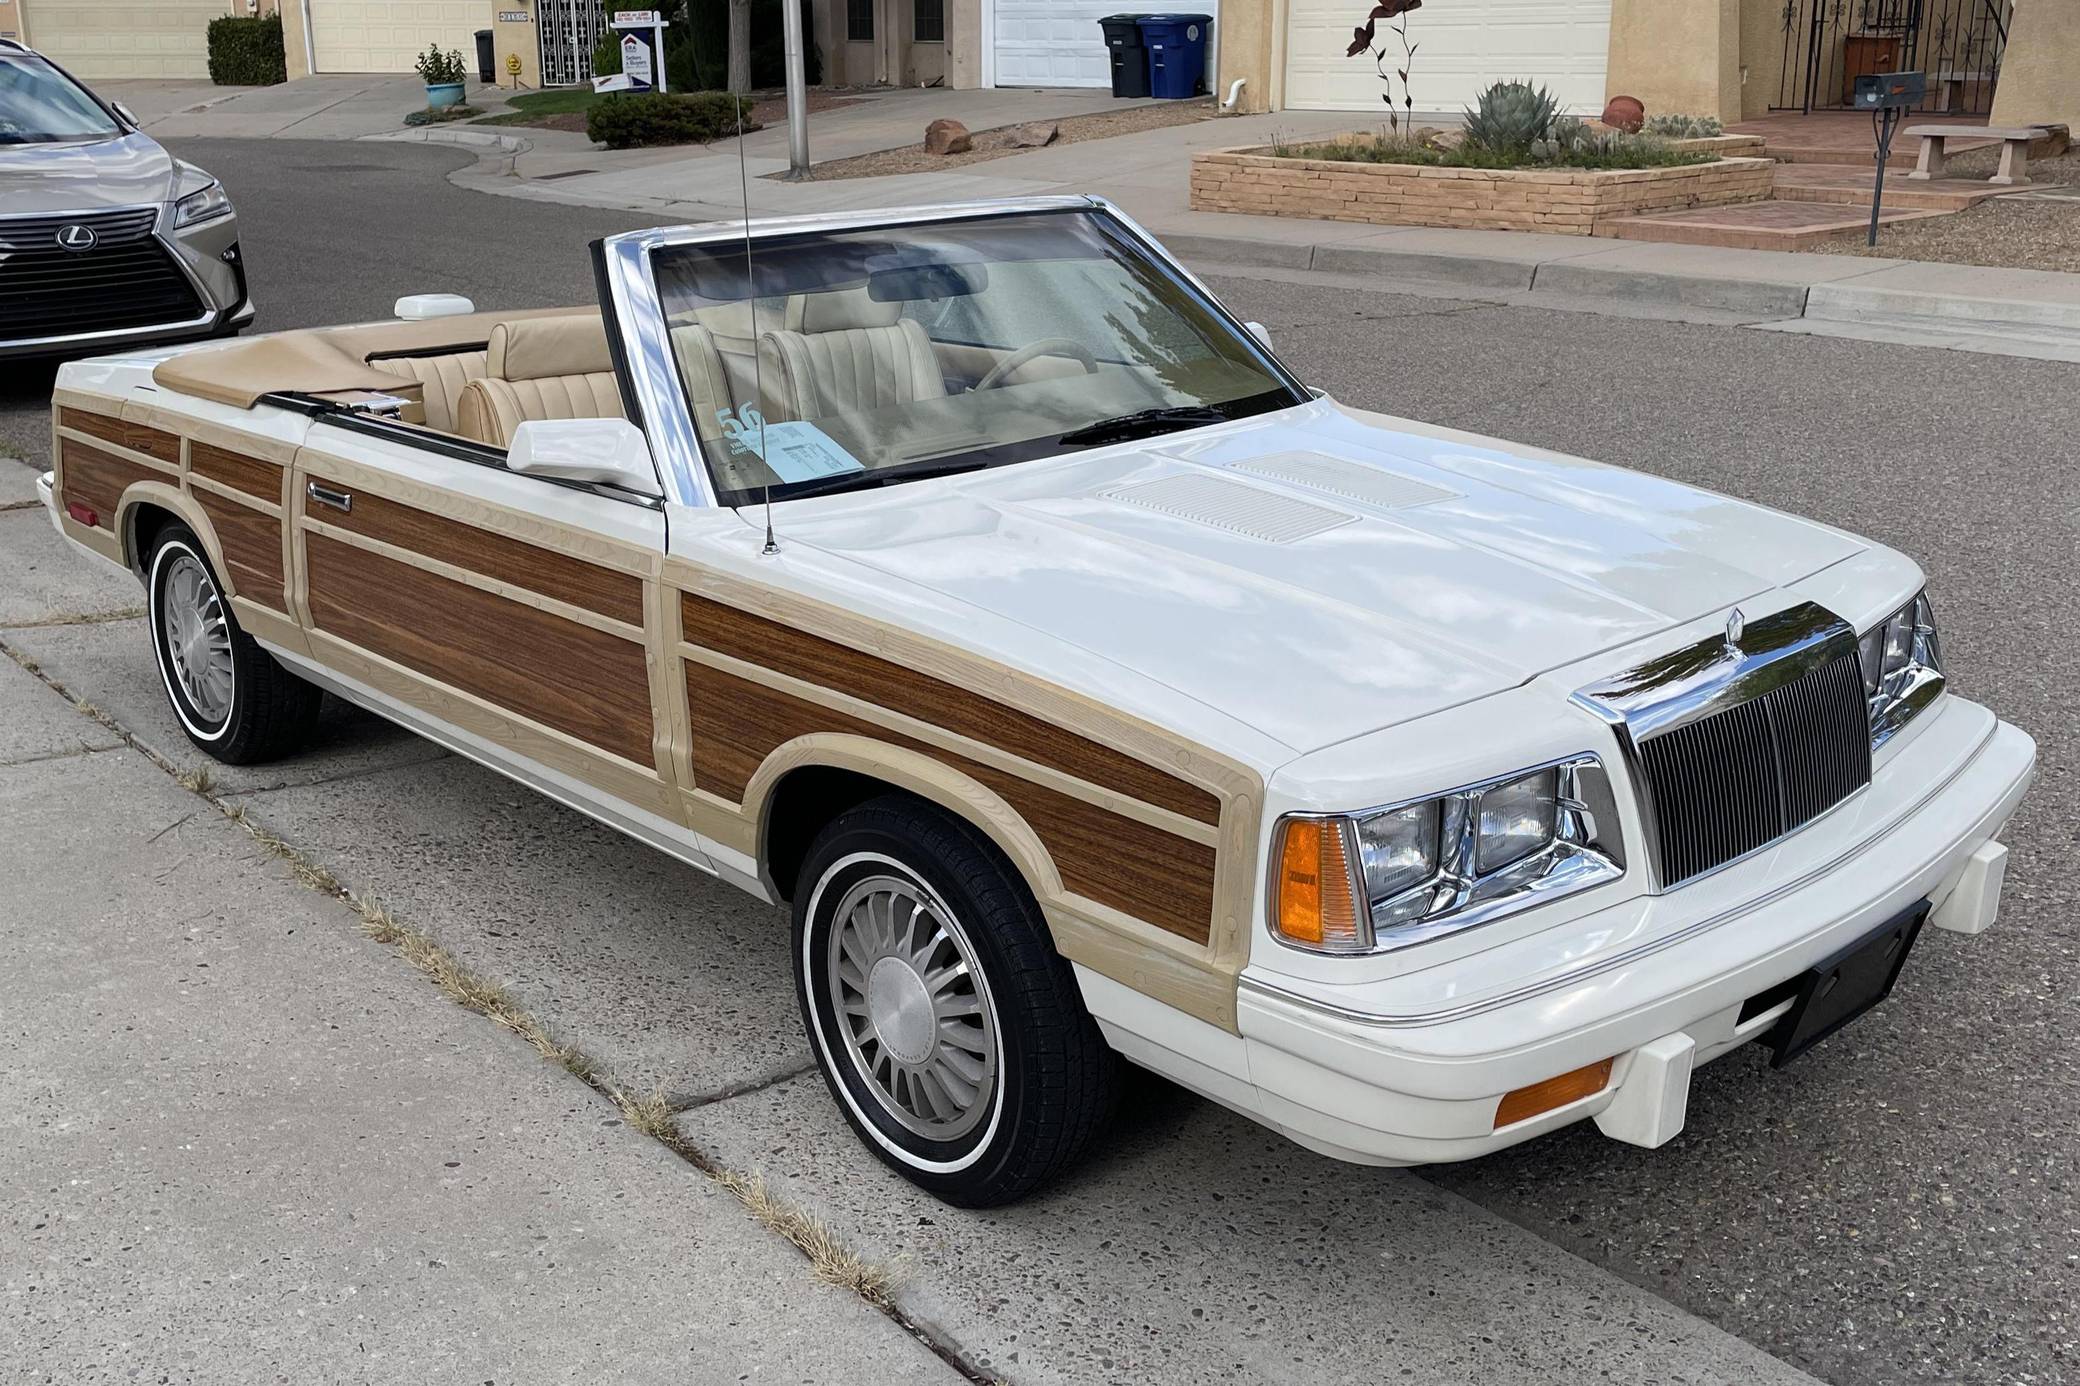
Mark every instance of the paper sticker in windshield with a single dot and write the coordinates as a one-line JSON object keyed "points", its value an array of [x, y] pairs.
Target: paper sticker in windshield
{"points": [[797, 451]]}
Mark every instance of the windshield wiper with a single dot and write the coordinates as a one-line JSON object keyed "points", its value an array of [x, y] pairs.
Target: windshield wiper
{"points": [[881, 476], [1146, 423]]}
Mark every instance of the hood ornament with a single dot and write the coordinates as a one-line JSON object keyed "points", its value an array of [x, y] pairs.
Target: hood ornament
{"points": [[1736, 626]]}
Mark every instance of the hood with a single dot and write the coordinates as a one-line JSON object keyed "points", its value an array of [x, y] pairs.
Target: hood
{"points": [[1317, 574], [84, 177]]}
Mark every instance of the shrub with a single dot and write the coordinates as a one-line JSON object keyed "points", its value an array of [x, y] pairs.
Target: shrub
{"points": [[437, 68], [1607, 152], [606, 54], [1683, 127], [629, 120], [1511, 115], [246, 52]]}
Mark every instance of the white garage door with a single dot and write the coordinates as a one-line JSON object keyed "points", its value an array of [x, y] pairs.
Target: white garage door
{"points": [[1053, 43], [1464, 47], [125, 38], [385, 35]]}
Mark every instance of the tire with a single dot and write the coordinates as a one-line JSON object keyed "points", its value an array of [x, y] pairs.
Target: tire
{"points": [[230, 696], [1038, 1080]]}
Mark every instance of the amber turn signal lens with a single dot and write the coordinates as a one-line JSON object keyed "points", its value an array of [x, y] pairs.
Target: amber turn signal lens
{"points": [[1316, 903], [1539, 1098]]}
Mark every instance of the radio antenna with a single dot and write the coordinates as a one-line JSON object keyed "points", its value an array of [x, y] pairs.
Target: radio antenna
{"points": [[758, 384]]}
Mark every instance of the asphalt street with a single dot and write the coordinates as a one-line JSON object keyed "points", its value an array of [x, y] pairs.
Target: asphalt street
{"points": [[1901, 1205]]}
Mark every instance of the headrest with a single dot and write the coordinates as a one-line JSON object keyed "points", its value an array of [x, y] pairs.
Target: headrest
{"points": [[531, 348], [731, 322], [832, 312]]}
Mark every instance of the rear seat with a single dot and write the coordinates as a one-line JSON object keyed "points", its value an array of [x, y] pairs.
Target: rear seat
{"points": [[441, 378], [539, 368]]}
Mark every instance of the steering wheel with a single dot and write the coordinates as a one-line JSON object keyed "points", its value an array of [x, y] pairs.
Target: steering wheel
{"points": [[1046, 346]]}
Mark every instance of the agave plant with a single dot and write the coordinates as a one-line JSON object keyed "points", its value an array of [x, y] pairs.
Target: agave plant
{"points": [[1511, 115]]}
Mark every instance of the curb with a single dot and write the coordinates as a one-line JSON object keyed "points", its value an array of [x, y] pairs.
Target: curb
{"points": [[1581, 282], [495, 159]]}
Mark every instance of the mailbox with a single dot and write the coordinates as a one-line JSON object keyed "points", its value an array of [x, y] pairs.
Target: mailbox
{"points": [[1891, 91]]}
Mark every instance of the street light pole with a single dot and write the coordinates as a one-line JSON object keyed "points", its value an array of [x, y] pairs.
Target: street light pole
{"points": [[797, 91]]}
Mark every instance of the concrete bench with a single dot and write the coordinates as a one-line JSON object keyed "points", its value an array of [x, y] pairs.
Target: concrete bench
{"points": [[2015, 143]]}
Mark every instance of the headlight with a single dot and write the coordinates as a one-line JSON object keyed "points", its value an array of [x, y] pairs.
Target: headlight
{"points": [[201, 205], [1902, 660], [1384, 879]]}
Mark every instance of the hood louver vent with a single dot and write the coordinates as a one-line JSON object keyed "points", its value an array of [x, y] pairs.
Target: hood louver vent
{"points": [[1341, 476], [1232, 506]]}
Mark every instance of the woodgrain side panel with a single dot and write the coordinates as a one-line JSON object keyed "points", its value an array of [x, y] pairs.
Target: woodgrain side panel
{"points": [[829, 664], [252, 544], [1132, 867], [261, 480], [96, 478], [152, 442], [567, 579], [582, 682]]}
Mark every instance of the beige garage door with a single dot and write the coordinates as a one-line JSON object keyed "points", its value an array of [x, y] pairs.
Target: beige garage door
{"points": [[385, 35], [125, 38], [1462, 48]]}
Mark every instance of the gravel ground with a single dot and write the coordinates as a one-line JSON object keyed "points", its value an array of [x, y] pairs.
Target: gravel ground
{"points": [[995, 144], [2010, 232]]}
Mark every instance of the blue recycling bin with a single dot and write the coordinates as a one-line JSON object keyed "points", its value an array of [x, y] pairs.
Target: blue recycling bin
{"points": [[1176, 46]]}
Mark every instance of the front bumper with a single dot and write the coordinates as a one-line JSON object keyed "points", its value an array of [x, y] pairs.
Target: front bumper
{"points": [[1366, 1083]]}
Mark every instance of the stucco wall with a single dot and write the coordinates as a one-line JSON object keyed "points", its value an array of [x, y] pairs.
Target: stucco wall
{"points": [[2038, 72], [1677, 56], [1247, 49], [10, 19]]}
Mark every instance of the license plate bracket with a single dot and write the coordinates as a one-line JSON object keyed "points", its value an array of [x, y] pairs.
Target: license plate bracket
{"points": [[1839, 988]]}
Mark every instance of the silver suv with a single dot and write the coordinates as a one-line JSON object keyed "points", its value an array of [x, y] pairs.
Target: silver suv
{"points": [[106, 239]]}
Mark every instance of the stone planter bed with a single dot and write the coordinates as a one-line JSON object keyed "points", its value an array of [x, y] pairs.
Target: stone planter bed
{"points": [[1572, 202]]}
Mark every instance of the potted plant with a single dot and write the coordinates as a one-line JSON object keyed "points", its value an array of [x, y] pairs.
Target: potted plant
{"points": [[442, 73]]}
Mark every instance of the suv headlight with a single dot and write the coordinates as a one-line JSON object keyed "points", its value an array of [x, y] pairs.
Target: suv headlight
{"points": [[1384, 879], [1902, 660], [203, 204]]}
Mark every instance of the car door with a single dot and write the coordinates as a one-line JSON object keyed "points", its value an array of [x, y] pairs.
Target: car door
{"points": [[514, 617]]}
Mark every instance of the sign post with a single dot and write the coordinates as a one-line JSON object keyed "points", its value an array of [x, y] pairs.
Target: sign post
{"points": [[642, 53]]}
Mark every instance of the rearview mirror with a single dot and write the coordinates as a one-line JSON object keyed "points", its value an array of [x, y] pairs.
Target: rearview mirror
{"points": [[927, 283], [607, 452], [1260, 332]]}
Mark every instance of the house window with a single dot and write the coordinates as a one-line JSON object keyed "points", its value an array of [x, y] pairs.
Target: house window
{"points": [[859, 20], [928, 18]]}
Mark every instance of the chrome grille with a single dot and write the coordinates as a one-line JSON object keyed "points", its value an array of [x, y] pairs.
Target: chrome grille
{"points": [[1740, 779], [1738, 741], [127, 278]]}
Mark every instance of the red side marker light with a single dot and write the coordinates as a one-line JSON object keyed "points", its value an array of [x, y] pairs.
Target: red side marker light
{"points": [[83, 513]]}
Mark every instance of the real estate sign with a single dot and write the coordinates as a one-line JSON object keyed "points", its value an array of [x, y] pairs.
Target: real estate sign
{"points": [[642, 50]]}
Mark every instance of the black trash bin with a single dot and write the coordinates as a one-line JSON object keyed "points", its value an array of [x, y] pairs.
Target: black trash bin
{"points": [[487, 72], [1129, 57]]}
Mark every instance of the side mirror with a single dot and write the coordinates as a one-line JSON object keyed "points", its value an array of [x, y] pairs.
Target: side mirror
{"points": [[610, 452], [125, 112], [1261, 333], [418, 307]]}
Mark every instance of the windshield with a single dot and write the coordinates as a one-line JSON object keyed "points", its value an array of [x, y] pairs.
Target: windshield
{"points": [[39, 104], [884, 354]]}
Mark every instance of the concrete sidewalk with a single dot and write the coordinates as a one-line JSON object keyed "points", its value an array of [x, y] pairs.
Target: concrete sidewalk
{"points": [[241, 1143]]}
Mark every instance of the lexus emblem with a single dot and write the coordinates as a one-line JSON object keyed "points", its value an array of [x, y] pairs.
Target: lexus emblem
{"points": [[1736, 626], [76, 237]]}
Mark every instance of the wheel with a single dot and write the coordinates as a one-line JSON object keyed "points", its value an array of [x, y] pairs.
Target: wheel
{"points": [[950, 1032], [232, 698]]}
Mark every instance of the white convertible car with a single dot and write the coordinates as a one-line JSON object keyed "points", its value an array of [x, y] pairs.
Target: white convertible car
{"points": [[972, 580]]}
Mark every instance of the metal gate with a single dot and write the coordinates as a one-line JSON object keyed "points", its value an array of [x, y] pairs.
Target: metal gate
{"points": [[570, 30], [1828, 44]]}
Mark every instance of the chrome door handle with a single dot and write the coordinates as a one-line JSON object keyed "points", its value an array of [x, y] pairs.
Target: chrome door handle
{"points": [[325, 495]]}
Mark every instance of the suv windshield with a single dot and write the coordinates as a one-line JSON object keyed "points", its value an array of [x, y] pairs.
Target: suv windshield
{"points": [[860, 358], [40, 105]]}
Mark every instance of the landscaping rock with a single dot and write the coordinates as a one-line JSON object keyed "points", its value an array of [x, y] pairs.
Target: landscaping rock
{"points": [[1036, 135], [947, 137], [1625, 113]]}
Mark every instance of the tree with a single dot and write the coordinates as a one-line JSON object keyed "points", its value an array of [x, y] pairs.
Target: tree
{"points": [[740, 45]]}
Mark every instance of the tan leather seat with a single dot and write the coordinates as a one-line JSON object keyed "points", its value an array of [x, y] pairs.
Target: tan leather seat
{"points": [[717, 355], [540, 368], [851, 355], [441, 379]]}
